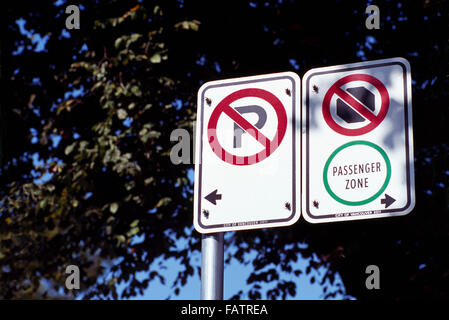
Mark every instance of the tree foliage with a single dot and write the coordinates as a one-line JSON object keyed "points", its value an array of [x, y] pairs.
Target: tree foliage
{"points": [[97, 105]]}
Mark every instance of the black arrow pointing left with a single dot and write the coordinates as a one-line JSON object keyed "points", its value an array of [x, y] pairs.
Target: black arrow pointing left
{"points": [[213, 197]]}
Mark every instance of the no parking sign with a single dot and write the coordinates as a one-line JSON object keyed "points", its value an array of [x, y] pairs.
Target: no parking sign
{"points": [[246, 153], [357, 143], [242, 125]]}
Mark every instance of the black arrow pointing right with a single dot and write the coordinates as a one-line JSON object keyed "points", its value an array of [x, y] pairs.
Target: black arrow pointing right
{"points": [[387, 200]]}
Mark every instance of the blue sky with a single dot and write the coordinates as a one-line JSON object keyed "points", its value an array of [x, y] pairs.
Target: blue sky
{"points": [[235, 276]]}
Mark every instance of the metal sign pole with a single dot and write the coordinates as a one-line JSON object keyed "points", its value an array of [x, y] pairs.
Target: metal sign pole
{"points": [[212, 265]]}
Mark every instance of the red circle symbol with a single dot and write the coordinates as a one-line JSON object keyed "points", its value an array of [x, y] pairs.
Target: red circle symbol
{"points": [[373, 119], [269, 145]]}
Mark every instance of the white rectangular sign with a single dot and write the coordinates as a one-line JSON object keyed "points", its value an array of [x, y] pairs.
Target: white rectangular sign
{"points": [[245, 157], [357, 143]]}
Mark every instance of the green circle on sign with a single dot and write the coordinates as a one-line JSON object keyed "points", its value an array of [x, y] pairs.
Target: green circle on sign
{"points": [[378, 193]]}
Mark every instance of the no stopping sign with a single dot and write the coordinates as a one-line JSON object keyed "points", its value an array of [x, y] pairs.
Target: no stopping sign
{"points": [[372, 119], [357, 142]]}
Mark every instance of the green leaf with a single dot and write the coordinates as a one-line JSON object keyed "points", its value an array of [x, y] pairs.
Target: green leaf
{"points": [[112, 281], [132, 232], [136, 91], [120, 239], [69, 148], [122, 114], [186, 25], [83, 145], [130, 185], [156, 58], [163, 202], [143, 132], [135, 36], [148, 181], [113, 207], [97, 85], [43, 203], [77, 174], [154, 134], [118, 42]]}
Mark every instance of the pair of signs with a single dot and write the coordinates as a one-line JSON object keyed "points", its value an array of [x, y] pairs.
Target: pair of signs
{"points": [[339, 150]]}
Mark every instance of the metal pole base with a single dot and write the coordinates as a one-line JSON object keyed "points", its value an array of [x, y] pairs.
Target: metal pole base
{"points": [[212, 263]]}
